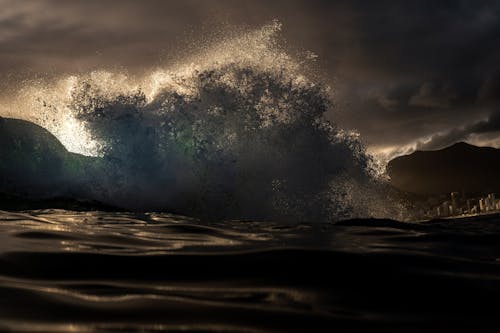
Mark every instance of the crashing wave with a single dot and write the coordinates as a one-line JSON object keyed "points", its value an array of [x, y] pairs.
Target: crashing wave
{"points": [[239, 132]]}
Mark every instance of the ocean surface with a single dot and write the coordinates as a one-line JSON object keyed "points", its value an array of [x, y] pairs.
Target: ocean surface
{"points": [[65, 271]]}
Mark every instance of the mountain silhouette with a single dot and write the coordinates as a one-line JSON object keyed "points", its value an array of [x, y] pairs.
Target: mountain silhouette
{"points": [[34, 163], [460, 167]]}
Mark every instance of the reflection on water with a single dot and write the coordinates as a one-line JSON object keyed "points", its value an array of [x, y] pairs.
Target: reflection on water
{"points": [[64, 271]]}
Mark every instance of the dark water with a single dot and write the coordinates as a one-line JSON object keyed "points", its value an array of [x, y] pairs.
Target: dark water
{"points": [[117, 272]]}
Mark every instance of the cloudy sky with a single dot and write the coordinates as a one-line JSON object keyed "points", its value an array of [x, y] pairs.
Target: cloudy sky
{"points": [[419, 74]]}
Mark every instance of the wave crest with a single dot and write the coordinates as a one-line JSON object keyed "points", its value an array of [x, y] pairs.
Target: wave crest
{"points": [[239, 134]]}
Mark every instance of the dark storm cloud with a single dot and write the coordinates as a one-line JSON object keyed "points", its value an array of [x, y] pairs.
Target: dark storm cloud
{"points": [[403, 70], [430, 64], [441, 140], [51, 37]]}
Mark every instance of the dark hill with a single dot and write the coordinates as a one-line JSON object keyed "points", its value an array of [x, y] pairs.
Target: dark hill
{"points": [[31, 159], [34, 163], [460, 167]]}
